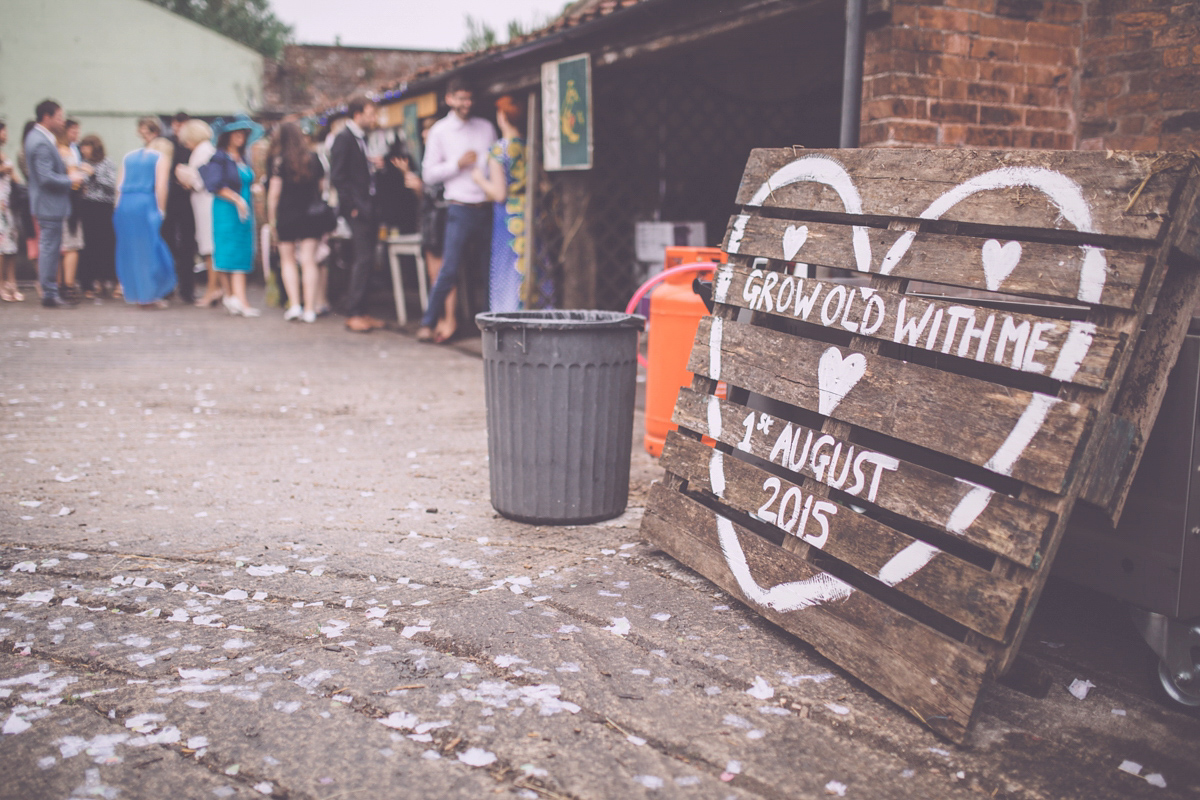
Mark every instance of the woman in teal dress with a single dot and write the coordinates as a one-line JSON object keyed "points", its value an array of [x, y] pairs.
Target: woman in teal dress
{"points": [[145, 267], [504, 184], [230, 178]]}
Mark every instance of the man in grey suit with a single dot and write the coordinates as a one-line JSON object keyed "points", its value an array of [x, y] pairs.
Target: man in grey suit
{"points": [[50, 185]]}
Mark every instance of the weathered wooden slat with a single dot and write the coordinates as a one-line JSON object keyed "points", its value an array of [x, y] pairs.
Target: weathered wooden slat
{"points": [[1064, 191], [1073, 352], [1031, 437], [1050, 271], [954, 588], [1000, 524], [1140, 395], [932, 676]]}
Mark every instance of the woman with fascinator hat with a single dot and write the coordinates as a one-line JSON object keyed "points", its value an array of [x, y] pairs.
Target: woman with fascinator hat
{"points": [[230, 178]]}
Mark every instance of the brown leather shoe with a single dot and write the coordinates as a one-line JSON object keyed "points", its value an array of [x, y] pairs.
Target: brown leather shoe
{"points": [[359, 325]]}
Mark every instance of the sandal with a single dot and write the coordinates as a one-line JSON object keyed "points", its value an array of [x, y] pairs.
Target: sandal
{"points": [[424, 335], [6, 294]]}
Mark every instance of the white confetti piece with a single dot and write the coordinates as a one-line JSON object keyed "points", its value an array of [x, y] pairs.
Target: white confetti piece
{"points": [[637, 741], [41, 596], [760, 689], [649, 781], [477, 757], [412, 630], [65, 512], [24, 566], [1132, 767], [1155, 779], [1118, 712], [30, 503], [77, 556], [505, 662], [237, 644], [662, 617], [837, 708], [836, 787], [620, 626], [266, 787], [1080, 688], [14, 725], [266, 570]]}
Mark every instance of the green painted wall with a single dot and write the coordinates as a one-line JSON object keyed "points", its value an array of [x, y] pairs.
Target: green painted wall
{"points": [[109, 62]]}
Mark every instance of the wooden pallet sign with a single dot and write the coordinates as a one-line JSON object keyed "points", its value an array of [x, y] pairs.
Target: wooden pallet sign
{"points": [[904, 436]]}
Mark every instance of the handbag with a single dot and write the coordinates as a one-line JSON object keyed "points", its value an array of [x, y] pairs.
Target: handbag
{"points": [[322, 215]]}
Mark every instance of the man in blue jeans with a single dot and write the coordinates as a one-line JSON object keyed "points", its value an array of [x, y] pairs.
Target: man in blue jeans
{"points": [[455, 145], [50, 184]]}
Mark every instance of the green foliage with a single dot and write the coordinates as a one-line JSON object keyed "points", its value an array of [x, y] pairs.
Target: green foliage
{"points": [[481, 36], [250, 22]]}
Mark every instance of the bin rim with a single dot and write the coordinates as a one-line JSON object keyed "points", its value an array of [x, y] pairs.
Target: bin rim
{"points": [[554, 320]]}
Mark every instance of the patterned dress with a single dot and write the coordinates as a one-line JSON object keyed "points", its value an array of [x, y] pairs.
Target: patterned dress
{"points": [[8, 223], [510, 263]]}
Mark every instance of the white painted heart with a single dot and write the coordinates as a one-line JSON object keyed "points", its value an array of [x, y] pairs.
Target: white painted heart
{"points": [[836, 376], [999, 261], [793, 239]]}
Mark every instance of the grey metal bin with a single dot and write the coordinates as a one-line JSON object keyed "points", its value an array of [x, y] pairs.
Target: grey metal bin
{"points": [[560, 389]]}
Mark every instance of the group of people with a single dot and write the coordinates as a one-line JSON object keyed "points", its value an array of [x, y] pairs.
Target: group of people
{"points": [[184, 203]]}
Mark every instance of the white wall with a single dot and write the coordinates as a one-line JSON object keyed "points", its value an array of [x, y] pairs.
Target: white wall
{"points": [[109, 62]]}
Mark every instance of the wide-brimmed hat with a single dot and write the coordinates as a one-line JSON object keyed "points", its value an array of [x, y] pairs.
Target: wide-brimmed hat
{"points": [[241, 122]]}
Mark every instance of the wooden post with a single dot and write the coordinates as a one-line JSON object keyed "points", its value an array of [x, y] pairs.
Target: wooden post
{"points": [[529, 289], [578, 247]]}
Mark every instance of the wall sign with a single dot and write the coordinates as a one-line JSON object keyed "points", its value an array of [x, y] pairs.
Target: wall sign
{"points": [[567, 113]]}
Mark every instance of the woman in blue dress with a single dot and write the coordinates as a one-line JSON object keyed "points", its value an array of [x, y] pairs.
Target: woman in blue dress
{"points": [[231, 179], [145, 267], [504, 184]]}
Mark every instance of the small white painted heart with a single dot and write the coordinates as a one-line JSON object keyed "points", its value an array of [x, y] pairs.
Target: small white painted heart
{"points": [[793, 239], [836, 376], [999, 261]]}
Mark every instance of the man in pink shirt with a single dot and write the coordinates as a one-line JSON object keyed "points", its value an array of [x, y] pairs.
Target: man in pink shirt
{"points": [[455, 145]]}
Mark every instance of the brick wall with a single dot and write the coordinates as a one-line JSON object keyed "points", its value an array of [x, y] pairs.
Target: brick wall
{"points": [[1140, 82], [317, 77], [1061, 74], [977, 73]]}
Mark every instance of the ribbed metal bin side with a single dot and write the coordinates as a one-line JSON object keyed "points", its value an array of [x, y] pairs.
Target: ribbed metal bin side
{"points": [[560, 390]]}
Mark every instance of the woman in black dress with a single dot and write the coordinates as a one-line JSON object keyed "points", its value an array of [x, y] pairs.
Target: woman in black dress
{"points": [[97, 262], [297, 217]]}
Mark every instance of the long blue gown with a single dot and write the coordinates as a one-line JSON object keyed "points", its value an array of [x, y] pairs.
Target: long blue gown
{"points": [[145, 267]]}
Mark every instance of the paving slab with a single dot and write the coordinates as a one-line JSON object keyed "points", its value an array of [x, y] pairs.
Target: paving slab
{"points": [[246, 558]]}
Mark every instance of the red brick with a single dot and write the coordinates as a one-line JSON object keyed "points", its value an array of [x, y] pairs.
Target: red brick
{"points": [[1091, 109], [904, 15], [1041, 140], [958, 44], [1047, 76], [993, 49], [1132, 142], [1104, 46], [1001, 73], [1060, 35], [989, 137], [954, 89], [1196, 53], [1133, 62], [1131, 125], [1175, 35], [1131, 103], [1047, 55], [1180, 141], [989, 92], [1022, 138], [944, 19], [999, 115], [1177, 79], [1091, 144], [1064, 141], [1045, 98], [1041, 118], [931, 41], [1062, 12], [913, 132], [1142, 19], [1001, 28], [1174, 101], [982, 6], [948, 66], [941, 111], [952, 134], [871, 133], [915, 86], [1177, 57]]}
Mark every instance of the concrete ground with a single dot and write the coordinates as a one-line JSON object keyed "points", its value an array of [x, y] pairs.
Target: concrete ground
{"points": [[243, 558]]}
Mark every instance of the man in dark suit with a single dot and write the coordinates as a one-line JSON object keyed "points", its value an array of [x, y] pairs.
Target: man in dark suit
{"points": [[50, 185], [352, 173], [179, 224]]}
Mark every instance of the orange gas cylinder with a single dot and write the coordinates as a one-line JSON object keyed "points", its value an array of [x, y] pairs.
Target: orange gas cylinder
{"points": [[675, 312]]}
